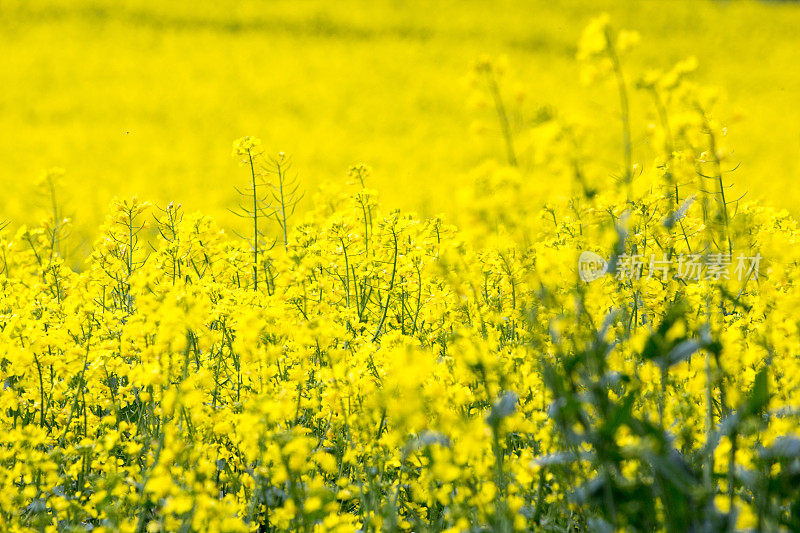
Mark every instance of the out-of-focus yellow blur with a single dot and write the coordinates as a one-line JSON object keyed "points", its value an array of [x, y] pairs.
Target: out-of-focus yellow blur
{"points": [[144, 97]]}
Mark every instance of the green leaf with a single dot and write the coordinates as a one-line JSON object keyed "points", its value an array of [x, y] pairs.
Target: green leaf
{"points": [[759, 394]]}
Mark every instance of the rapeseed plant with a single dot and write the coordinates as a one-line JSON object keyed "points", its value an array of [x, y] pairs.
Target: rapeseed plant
{"points": [[383, 370]]}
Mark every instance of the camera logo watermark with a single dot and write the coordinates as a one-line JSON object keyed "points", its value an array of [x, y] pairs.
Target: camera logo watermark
{"points": [[690, 267], [591, 266]]}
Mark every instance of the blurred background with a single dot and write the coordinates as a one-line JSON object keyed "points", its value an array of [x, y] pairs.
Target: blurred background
{"points": [[144, 97]]}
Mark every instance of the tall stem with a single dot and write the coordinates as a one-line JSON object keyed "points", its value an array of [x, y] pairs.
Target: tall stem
{"points": [[283, 209], [255, 219], [625, 115], [502, 115]]}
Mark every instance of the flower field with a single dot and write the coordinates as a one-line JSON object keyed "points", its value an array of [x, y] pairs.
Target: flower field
{"points": [[598, 333]]}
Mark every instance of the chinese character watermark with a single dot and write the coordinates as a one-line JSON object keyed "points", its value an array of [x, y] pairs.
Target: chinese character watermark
{"points": [[688, 267]]}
